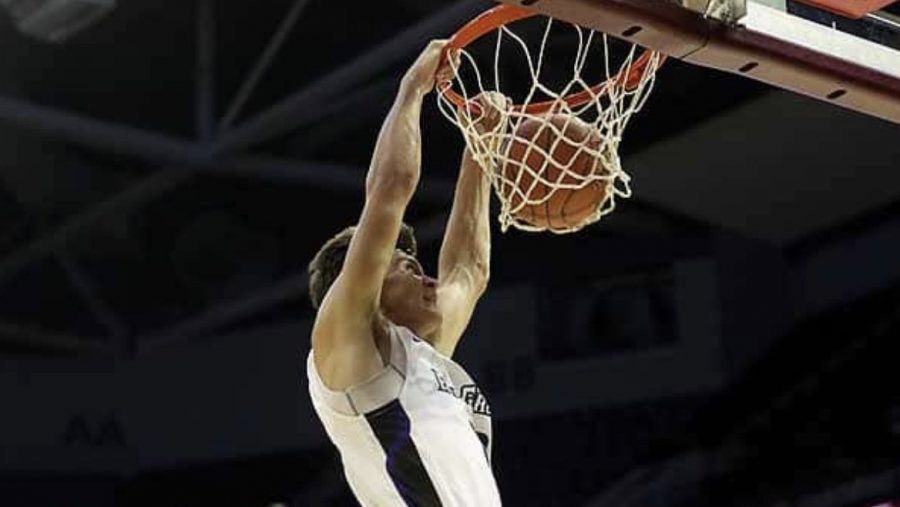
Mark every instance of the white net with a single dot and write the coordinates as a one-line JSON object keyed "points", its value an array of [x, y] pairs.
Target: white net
{"points": [[559, 138]]}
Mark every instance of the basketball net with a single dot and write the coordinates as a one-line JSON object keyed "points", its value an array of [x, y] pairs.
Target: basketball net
{"points": [[607, 108]]}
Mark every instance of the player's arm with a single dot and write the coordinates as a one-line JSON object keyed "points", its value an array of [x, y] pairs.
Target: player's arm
{"points": [[347, 332], [464, 263]]}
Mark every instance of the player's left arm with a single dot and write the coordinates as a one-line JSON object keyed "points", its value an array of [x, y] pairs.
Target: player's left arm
{"points": [[464, 262]]}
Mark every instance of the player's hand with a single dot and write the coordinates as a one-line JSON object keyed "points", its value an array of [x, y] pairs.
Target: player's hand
{"points": [[487, 111], [447, 68], [423, 73]]}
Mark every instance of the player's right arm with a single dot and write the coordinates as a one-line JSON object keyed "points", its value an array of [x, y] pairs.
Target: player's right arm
{"points": [[349, 340]]}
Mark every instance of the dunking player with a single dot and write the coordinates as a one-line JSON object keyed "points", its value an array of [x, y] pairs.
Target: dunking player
{"points": [[411, 426]]}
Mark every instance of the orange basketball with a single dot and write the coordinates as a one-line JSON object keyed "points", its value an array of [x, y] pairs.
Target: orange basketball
{"points": [[565, 208]]}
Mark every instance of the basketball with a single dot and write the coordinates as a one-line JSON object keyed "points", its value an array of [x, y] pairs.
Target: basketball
{"points": [[564, 209]]}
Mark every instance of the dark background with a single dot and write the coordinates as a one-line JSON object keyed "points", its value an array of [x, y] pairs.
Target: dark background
{"points": [[136, 223]]}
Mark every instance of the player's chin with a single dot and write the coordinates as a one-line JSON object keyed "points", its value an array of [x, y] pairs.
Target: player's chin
{"points": [[430, 308], [429, 300]]}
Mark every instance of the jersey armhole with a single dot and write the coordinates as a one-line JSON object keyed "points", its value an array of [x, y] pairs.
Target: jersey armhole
{"points": [[372, 394]]}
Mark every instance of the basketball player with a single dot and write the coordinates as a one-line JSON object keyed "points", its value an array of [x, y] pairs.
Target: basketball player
{"points": [[411, 426]]}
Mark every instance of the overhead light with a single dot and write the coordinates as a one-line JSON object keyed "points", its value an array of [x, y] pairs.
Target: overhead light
{"points": [[55, 20]]}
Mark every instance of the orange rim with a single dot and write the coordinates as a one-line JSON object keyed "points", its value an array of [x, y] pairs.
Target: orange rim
{"points": [[505, 14]]}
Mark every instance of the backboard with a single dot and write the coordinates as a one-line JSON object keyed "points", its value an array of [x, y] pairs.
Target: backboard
{"points": [[845, 52]]}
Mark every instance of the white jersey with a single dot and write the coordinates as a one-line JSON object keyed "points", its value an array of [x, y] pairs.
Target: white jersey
{"points": [[416, 434]]}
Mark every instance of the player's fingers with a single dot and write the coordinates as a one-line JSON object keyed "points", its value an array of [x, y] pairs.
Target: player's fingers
{"points": [[433, 53], [453, 56], [447, 69], [499, 100], [444, 74]]}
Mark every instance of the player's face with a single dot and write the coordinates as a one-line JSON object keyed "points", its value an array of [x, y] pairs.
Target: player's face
{"points": [[409, 296]]}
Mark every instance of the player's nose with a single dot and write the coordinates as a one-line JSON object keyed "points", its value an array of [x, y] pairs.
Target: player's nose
{"points": [[429, 282]]}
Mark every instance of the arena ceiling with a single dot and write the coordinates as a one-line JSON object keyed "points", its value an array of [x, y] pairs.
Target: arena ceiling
{"points": [[143, 203]]}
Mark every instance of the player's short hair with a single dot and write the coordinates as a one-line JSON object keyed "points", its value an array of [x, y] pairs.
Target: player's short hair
{"points": [[328, 262]]}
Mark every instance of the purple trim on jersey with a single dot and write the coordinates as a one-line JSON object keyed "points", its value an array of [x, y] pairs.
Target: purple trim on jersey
{"points": [[391, 426]]}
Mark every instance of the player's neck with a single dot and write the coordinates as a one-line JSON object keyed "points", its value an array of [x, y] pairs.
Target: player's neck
{"points": [[425, 335]]}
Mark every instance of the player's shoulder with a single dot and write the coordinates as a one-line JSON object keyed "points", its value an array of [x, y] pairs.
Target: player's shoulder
{"points": [[364, 394], [347, 353]]}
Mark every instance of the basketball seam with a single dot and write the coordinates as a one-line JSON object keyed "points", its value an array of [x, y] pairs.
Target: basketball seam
{"points": [[597, 204], [603, 196], [562, 210], [547, 163]]}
